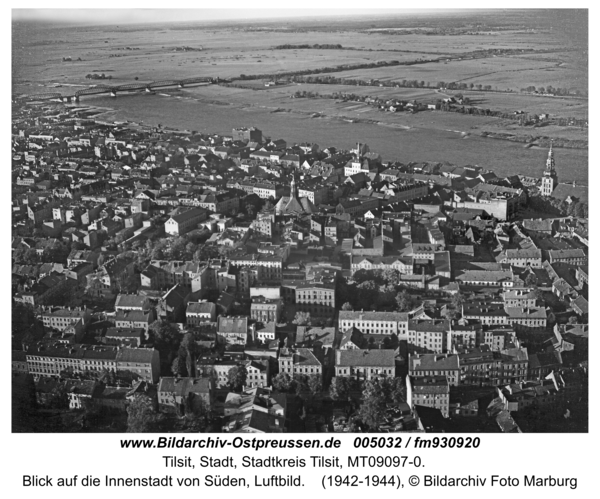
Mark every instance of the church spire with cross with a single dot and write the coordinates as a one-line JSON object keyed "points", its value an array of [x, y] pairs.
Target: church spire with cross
{"points": [[550, 161], [550, 178], [293, 186]]}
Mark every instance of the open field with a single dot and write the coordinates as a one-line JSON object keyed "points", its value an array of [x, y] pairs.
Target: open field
{"points": [[502, 73], [229, 50], [150, 64]]}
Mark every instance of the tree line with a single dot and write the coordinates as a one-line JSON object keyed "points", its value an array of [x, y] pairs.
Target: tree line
{"points": [[333, 69], [323, 46]]}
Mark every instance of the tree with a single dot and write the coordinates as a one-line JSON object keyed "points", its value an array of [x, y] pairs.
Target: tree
{"points": [[27, 256], [347, 306], [450, 313], [101, 259], [315, 384], [131, 282], [395, 390], [236, 377], [339, 388], [372, 409], [190, 349], [141, 416], [391, 277], [457, 301], [166, 339], [205, 252], [196, 414], [178, 248], [60, 398], [92, 412], [224, 251], [368, 293], [363, 275], [404, 301], [581, 210], [24, 321], [178, 366], [539, 294], [302, 319], [386, 295], [282, 382], [531, 280], [344, 292], [159, 249], [57, 253], [300, 383]]}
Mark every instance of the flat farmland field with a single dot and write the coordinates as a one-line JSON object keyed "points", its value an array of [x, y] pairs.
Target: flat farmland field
{"points": [[455, 44], [533, 104], [501, 73], [149, 52], [422, 94], [153, 56], [496, 101]]}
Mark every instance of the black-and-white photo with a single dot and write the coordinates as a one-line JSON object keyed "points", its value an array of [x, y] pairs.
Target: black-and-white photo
{"points": [[299, 221]]}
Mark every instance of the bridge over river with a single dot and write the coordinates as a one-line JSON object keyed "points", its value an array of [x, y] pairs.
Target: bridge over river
{"points": [[113, 90]]}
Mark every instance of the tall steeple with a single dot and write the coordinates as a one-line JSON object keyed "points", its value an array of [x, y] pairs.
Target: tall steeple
{"points": [[550, 178], [293, 186], [550, 161], [290, 205]]}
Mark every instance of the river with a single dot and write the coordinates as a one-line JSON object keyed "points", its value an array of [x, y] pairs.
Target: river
{"points": [[405, 145]]}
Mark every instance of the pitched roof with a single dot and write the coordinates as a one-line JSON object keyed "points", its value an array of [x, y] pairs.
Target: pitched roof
{"points": [[119, 332], [232, 325], [130, 301], [433, 361], [350, 315], [582, 304], [430, 384], [200, 308], [368, 358], [301, 356], [139, 355], [525, 312], [428, 325], [133, 316], [188, 214], [496, 276], [183, 386], [566, 253]]}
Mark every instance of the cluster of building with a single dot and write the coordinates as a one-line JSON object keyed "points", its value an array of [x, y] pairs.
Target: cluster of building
{"points": [[249, 242]]}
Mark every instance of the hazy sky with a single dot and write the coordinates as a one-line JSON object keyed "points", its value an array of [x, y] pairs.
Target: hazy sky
{"points": [[125, 16]]}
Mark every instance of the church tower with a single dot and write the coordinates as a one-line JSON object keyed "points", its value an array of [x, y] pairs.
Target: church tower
{"points": [[293, 186], [550, 178]]}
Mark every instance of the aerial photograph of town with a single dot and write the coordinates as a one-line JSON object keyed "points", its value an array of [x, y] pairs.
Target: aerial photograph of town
{"points": [[354, 222]]}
